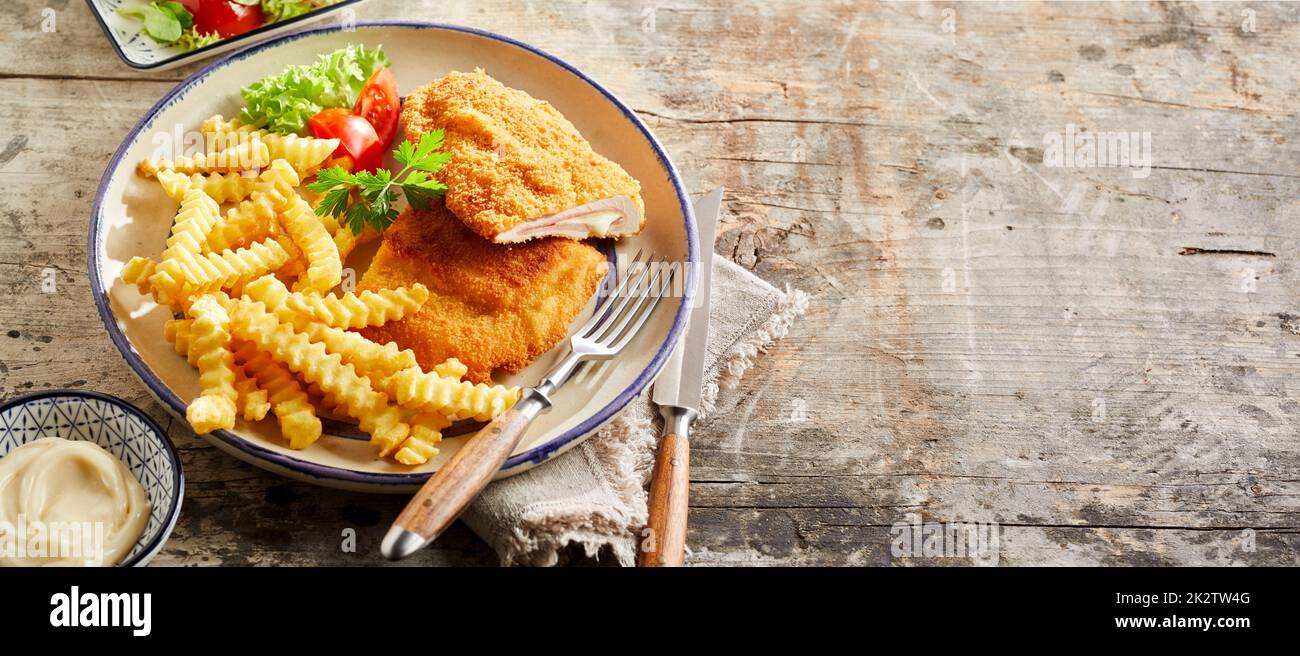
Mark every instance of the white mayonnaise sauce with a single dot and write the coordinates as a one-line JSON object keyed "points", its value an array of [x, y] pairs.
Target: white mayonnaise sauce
{"points": [[68, 503]]}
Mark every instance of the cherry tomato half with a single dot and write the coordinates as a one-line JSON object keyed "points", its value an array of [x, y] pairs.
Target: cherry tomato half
{"points": [[357, 138], [223, 16], [380, 104]]}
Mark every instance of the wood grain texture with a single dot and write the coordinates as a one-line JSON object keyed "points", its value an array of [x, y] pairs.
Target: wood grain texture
{"points": [[451, 489], [670, 491], [1104, 365]]}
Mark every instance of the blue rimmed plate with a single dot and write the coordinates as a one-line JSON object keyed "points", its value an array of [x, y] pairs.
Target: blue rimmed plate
{"points": [[122, 430], [132, 216]]}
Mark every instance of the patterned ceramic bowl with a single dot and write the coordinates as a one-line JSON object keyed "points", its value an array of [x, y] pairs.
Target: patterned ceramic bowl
{"points": [[119, 428], [141, 52]]}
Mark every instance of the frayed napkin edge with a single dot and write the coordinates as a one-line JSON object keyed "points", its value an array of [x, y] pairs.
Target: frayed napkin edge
{"points": [[616, 528], [739, 359]]}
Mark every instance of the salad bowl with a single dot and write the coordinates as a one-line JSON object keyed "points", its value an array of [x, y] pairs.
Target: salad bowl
{"points": [[138, 51]]}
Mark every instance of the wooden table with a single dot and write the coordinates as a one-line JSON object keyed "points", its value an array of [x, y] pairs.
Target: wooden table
{"points": [[1103, 364]]}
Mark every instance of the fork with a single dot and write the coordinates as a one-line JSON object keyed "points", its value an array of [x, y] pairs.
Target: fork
{"points": [[450, 490]]}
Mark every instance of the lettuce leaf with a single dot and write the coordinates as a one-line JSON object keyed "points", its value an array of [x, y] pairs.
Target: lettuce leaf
{"points": [[278, 10], [283, 103], [164, 22], [191, 39]]}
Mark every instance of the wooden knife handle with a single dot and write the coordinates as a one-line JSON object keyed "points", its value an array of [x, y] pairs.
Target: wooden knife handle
{"points": [[450, 490], [664, 544]]}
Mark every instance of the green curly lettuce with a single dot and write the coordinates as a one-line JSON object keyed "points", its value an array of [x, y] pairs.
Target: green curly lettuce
{"points": [[278, 10], [283, 103], [192, 39]]}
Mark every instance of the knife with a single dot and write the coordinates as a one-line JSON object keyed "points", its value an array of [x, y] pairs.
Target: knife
{"points": [[677, 393]]}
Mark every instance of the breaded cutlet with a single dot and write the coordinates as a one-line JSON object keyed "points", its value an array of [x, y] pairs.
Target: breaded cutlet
{"points": [[490, 305], [519, 169]]}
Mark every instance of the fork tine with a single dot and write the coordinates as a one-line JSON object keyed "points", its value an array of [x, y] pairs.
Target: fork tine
{"points": [[644, 314], [633, 295], [601, 313], [607, 312], [645, 302]]}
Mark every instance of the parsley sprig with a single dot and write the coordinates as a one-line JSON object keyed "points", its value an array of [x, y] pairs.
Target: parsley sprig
{"points": [[375, 193]]}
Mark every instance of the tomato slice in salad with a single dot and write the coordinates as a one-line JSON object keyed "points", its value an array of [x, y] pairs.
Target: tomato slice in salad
{"points": [[224, 17], [357, 137], [380, 105]]}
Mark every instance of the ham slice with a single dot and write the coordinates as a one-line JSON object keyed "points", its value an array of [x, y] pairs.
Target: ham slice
{"points": [[616, 216]]}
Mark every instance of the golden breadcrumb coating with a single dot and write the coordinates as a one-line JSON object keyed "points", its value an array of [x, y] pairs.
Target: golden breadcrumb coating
{"points": [[490, 305], [514, 158]]}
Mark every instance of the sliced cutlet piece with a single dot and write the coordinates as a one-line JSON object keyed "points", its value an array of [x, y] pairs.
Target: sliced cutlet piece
{"points": [[519, 169]]}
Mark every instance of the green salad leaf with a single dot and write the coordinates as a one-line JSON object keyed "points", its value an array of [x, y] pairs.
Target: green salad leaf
{"points": [[193, 40], [164, 22], [283, 103], [278, 10]]}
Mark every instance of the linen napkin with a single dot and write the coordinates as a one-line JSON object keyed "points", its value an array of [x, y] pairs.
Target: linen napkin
{"points": [[594, 495]]}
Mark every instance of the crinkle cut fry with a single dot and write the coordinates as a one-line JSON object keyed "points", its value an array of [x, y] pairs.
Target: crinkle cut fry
{"points": [[137, 271], [214, 408], [348, 311], [416, 389], [199, 273], [222, 187], [252, 401], [369, 308], [326, 404], [186, 271], [344, 242], [311, 361], [420, 447], [254, 218], [324, 267], [249, 155], [451, 368], [196, 216], [305, 154], [178, 332], [347, 241], [365, 309], [289, 402], [368, 358], [426, 433]]}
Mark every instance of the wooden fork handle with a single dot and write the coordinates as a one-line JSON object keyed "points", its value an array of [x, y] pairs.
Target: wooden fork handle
{"points": [[451, 489], [664, 543]]}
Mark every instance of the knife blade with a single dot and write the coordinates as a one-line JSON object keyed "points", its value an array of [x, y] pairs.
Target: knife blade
{"points": [[682, 380]]}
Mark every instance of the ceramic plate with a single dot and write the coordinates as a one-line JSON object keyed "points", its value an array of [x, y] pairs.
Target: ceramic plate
{"points": [[132, 216], [139, 51], [124, 431]]}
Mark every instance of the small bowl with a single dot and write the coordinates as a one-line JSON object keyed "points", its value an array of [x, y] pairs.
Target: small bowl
{"points": [[121, 429], [142, 53]]}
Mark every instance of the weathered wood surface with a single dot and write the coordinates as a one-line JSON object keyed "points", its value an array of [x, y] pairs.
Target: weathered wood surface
{"points": [[1103, 364]]}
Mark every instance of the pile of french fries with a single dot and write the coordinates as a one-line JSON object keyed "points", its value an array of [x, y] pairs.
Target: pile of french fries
{"points": [[251, 287]]}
